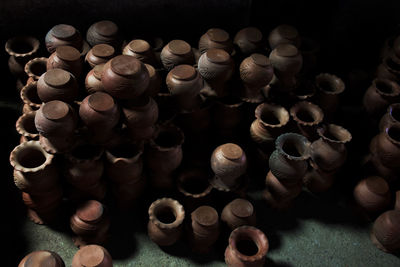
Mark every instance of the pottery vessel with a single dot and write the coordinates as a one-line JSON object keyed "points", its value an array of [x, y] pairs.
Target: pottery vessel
{"points": [[42, 258], [92, 255], [386, 232], [379, 96], [318, 181], [35, 68], [329, 87], [99, 54], [93, 80], [25, 126], [392, 116], [67, 58], [141, 50], [372, 194], [175, 53], [249, 40], [237, 213], [279, 193], [284, 34], [308, 118], [104, 32], [30, 97], [387, 146], [215, 38], [61, 35], [57, 84]]}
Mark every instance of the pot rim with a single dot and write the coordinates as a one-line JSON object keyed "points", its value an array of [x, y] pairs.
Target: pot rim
{"points": [[313, 108], [294, 137], [274, 109], [346, 134], [340, 86], [172, 204], [33, 145], [32, 41], [31, 62]]}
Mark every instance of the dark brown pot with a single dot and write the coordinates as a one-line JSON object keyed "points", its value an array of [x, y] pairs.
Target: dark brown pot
{"points": [[30, 97], [388, 146], [215, 38], [141, 50], [379, 96], [125, 77], [284, 34], [237, 213], [249, 40], [308, 118], [99, 54], [104, 32], [329, 88], [63, 34], [372, 194], [42, 258], [175, 53], [57, 84], [386, 232], [46, 202], [92, 255], [392, 116], [35, 68], [93, 80], [67, 58]]}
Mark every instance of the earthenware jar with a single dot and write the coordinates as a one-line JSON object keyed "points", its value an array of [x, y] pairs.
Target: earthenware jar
{"points": [[248, 246], [92, 255], [280, 193], [284, 34], [215, 38], [237, 213], [35, 68], [93, 80], [63, 34], [175, 53], [29, 96], [99, 54], [104, 32], [165, 221], [184, 84], [308, 118], [386, 232], [249, 40], [372, 194], [329, 151], [141, 50], [67, 58], [25, 126], [42, 258], [57, 84], [392, 116], [388, 146], [329, 87], [21, 49], [155, 82], [216, 67], [125, 77]]}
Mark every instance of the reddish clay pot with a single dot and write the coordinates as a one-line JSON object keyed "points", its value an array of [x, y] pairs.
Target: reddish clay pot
{"points": [[388, 146], [125, 77], [237, 213], [249, 40], [386, 232], [25, 126], [141, 50], [177, 52], [61, 35], [30, 96], [165, 221], [392, 116], [308, 118], [155, 82], [215, 38], [99, 54], [57, 84], [284, 34], [67, 58], [42, 258], [379, 96], [93, 80], [104, 32], [279, 192], [46, 202], [248, 246], [35, 68], [92, 255]]}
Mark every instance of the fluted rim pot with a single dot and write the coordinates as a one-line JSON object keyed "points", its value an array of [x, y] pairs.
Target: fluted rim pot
{"points": [[34, 68], [18, 157], [22, 46]]}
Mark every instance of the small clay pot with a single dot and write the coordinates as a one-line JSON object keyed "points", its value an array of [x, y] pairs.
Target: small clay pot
{"points": [[92, 255], [175, 53], [248, 246], [386, 232], [249, 40], [215, 38], [392, 116], [25, 126], [165, 221], [155, 82], [61, 35], [30, 97], [308, 118], [216, 67], [141, 50], [35, 68], [104, 32], [42, 258], [93, 80], [388, 146], [67, 58], [57, 84], [237, 213], [184, 84], [379, 96], [281, 191], [99, 54], [372, 194], [329, 152], [329, 88], [125, 77], [284, 34]]}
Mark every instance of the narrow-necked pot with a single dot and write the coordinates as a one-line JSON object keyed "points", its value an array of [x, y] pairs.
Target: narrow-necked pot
{"points": [[35, 68], [379, 96], [329, 88]]}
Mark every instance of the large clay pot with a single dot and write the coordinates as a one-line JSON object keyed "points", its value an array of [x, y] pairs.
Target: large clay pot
{"points": [[61, 35], [249, 40], [141, 50], [92, 255], [386, 232], [237, 213], [329, 88], [57, 84], [67, 58], [175, 53], [42, 258], [215, 38], [104, 32], [99, 54]]}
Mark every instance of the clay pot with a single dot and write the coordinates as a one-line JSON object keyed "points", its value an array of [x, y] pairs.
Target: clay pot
{"points": [[141, 50], [216, 67], [30, 96], [318, 181], [57, 84], [372, 194], [61, 35], [215, 38], [228, 114], [249, 40], [379, 96], [329, 152], [165, 221], [329, 87], [184, 84], [42, 258], [389, 174], [104, 32], [124, 163], [46, 202], [35, 68], [175, 53], [67, 58], [21, 49], [25, 126], [270, 122], [248, 246], [388, 146], [279, 192], [99, 54], [204, 229], [386, 233], [93, 80], [392, 116], [284, 34], [155, 82], [237, 213], [125, 77], [92, 255], [288, 163], [308, 118]]}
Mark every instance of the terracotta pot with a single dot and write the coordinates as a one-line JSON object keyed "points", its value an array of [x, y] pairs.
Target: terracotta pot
{"points": [[30, 96], [392, 116], [25, 126], [93, 80], [177, 52], [63, 34], [329, 152], [184, 84], [379, 96], [104, 32], [308, 118], [42, 258], [99, 54], [215, 38], [165, 221], [386, 233], [125, 77], [388, 146], [318, 181], [155, 82], [67, 58], [216, 67], [372, 194], [92, 255], [57, 84], [237, 213], [46, 202], [141, 50], [248, 246], [35, 68], [249, 40], [284, 34]]}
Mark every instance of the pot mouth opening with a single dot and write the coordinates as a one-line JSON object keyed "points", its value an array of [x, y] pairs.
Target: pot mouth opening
{"points": [[27, 123], [385, 87], [22, 46], [272, 115], [293, 146], [330, 84], [393, 132], [165, 214], [86, 152], [335, 133], [31, 94], [307, 113], [31, 157], [247, 246], [392, 64], [125, 151], [36, 67]]}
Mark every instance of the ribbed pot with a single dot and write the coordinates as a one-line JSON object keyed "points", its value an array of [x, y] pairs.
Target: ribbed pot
{"points": [[177, 52], [249, 40], [215, 38]]}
